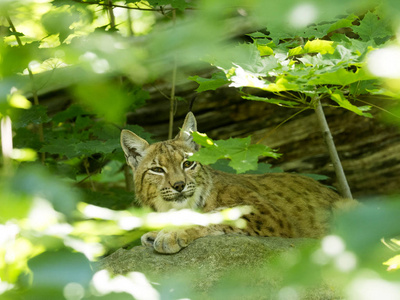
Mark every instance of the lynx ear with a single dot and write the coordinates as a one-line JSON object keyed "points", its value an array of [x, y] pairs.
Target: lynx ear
{"points": [[189, 126], [134, 147]]}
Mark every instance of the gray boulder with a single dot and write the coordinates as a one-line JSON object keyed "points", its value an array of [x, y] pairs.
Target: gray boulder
{"points": [[219, 267]]}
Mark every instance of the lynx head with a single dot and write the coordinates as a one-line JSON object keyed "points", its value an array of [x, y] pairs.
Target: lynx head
{"points": [[164, 177]]}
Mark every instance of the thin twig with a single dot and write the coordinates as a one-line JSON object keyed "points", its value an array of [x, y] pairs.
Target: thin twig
{"points": [[33, 86], [280, 124], [380, 108], [161, 92], [128, 179], [172, 96], [337, 165], [130, 23], [130, 7], [86, 166]]}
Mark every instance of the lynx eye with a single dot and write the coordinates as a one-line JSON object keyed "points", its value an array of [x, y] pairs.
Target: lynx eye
{"points": [[157, 170], [188, 164]]}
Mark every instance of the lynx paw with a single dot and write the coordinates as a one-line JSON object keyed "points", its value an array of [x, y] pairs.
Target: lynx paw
{"points": [[148, 238], [166, 241]]}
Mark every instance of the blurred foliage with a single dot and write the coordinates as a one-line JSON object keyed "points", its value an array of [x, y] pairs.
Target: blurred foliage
{"points": [[64, 208], [242, 155]]}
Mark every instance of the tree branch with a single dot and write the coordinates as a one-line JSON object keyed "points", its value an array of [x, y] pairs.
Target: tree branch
{"points": [[124, 6], [33, 86], [172, 96], [341, 177]]}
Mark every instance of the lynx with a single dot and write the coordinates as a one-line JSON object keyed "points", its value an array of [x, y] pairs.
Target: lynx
{"points": [[283, 204]]}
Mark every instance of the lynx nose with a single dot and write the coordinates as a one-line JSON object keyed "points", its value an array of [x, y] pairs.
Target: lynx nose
{"points": [[179, 186]]}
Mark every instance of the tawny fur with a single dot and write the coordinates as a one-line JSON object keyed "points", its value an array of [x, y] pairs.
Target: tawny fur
{"points": [[283, 204]]}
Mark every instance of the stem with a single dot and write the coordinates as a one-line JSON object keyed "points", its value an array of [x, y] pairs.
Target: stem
{"points": [[33, 86], [172, 96], [6, 143], [130, 7], [86, 166], [128, 179], [344, 188], [129, 21], [280, 124], [111, 13]]}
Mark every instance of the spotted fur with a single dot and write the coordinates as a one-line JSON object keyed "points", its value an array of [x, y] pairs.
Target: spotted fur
{"points": [[283, 204]]}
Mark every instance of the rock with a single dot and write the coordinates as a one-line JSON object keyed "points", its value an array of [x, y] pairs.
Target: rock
{"points": [[216, 267]]}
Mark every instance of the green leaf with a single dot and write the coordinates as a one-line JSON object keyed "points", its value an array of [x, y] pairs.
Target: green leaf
{"points": [[319, 46], [210, 84], [35, 181], [281, 85], [393, 263], [114, 100], [265, 50], [91, 147], [371, 28], [15, 59], [58, 21], [71, 112], [346, 22], [279, 102], [341, 77], [180, 4], [246, 57], [257, 34], [52, 271], [296, 51], [315, 46], [243, 155], [36, 114], [339, 98], [15, 206], [61, 146]]}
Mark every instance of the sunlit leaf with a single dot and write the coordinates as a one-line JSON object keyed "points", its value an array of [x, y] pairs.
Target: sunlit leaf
{"points": [[265, 50], [242, 154], [339, 98], [282, 84], [315, 46], [319, 46], [341, 77], [393, 263]]}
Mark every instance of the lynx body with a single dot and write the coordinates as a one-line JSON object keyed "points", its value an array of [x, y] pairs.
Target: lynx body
{"points": [[283, 204]]}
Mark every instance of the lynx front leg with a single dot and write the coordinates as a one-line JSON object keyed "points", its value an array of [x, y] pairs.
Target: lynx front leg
{"points": [[172, 241]]}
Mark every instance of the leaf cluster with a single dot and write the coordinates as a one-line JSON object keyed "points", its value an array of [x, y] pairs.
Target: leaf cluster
{"points": [[242, 154], [299, 67]]}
